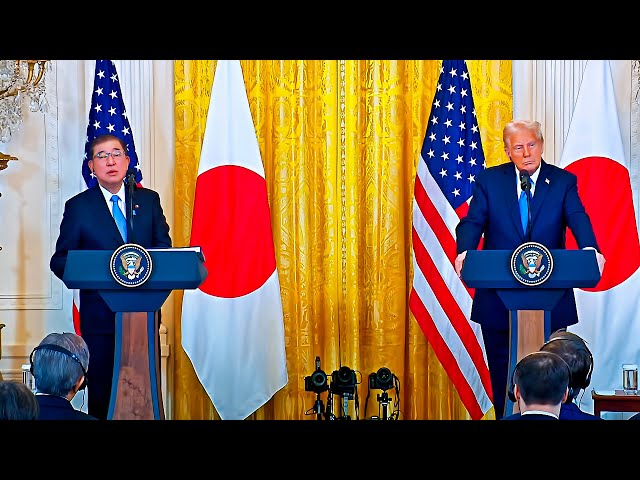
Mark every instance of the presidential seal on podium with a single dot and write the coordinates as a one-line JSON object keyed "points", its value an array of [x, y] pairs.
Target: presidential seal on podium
{"points": [[131, 265], [531, 263]]}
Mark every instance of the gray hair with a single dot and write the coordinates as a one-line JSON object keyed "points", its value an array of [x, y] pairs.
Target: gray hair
{"points": [[55, 372]]}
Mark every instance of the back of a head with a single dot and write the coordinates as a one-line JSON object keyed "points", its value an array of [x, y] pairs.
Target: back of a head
{"points": [[542, 378], [17, 402], [573, 350], [57, 372]]}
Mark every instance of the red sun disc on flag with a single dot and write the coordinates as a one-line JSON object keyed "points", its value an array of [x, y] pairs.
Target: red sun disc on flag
{"points": [[232, 224], [605, 191]]}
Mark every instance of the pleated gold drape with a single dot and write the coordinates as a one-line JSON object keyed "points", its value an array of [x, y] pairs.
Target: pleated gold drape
{"points": [[340, 141]]}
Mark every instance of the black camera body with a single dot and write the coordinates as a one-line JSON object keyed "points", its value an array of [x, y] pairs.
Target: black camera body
{"points": [[381, 380], [343, 381], [317, 381]]}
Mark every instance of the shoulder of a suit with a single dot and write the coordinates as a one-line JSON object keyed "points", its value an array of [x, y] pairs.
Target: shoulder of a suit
{"points": [[554, 172], [546, 170]]}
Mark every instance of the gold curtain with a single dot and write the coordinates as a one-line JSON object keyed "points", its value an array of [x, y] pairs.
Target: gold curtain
{"points": [[340, 141]]}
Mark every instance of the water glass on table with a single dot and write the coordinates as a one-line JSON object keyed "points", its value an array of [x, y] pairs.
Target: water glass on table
{"points": [[630, 378]]}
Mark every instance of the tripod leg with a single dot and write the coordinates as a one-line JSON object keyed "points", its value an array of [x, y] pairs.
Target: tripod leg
{"points": [[319, 408]]}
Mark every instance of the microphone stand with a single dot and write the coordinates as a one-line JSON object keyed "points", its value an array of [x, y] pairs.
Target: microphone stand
{"points": [[528, 194], [525, 185], [318, 407], [131, 181]]}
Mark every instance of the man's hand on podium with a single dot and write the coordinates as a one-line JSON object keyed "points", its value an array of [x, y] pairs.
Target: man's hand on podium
{"points": [[459, 262], [599, 258]]}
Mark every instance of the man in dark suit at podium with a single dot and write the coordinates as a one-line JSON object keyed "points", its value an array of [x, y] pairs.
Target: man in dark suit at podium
{"points": [[91, 222], [495, 213]]}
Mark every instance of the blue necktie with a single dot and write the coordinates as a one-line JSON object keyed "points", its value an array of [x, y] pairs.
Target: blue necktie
{"points": [[121, 222], [524, 210]]}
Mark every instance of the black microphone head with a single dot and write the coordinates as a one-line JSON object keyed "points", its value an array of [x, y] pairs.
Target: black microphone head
{"points": [[131, 176], [525, 180]]}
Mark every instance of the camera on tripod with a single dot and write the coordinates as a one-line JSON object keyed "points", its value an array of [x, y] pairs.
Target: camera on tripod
{"points": [[343, 381], [317, 381], [381, 380]]}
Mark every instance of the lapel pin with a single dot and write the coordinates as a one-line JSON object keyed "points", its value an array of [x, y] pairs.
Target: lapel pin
{"points": [[547, 181]]}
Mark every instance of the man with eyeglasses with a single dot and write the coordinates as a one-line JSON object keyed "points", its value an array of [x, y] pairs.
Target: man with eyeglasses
{"points": [[90, 222]]}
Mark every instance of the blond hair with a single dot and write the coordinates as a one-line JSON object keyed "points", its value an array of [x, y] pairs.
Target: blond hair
{"points": [[515, 125]]}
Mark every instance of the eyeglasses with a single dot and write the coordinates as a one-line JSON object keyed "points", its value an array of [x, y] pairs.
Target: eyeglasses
{"points": [[116, 154]]}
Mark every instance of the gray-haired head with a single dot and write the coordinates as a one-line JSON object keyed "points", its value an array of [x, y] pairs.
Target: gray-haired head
{"points": [[59, 362]]}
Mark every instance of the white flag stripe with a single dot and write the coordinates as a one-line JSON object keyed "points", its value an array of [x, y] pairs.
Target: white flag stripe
{"points": [[450, 336], [448, 214], [448, 273]]}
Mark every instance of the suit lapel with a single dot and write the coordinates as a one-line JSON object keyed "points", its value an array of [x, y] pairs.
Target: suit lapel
{"points": [[102, 216], [511, 200], [542, 190]]}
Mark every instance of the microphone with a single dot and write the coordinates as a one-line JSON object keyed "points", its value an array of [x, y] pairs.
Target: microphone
{"points": [[131, 185], [525, 185], [131, 178], [525, 181]]}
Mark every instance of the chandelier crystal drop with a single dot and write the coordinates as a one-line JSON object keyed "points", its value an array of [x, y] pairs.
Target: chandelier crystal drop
{"points": [[20, 80]]}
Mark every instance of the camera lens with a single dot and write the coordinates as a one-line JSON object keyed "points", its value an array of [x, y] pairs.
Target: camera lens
{"points": [[319, 379], [383, 379], [344, 374], [384, 374]]}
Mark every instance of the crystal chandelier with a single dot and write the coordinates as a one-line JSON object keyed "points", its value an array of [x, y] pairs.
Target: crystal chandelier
{"points": [[19, 79]]}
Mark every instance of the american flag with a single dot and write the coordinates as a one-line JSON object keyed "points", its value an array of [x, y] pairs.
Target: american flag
{"points": [[107, 114], [449, 162]]}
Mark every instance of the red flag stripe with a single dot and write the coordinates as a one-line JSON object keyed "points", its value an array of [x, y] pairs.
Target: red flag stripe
{"points": [[441, 230], [445, 299], [446, 358], [440, 293]]}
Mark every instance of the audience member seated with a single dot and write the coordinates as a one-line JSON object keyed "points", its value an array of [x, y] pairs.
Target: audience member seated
{"points": [[573, 349], [539, 386], [59, 368], [17, 401]]}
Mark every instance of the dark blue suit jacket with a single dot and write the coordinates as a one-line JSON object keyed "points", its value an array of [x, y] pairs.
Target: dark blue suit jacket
{"points": [[568, 411], [87, 224], [494, 211], [530, 416], [58, 408]]}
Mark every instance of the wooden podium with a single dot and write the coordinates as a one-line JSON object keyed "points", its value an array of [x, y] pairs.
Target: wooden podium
{"points": [[529, 306], [135, 388]]}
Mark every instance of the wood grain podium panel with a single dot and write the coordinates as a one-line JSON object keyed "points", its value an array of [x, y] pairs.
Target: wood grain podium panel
{"points": [[530, 325], [530, 331], [137, 396]]}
